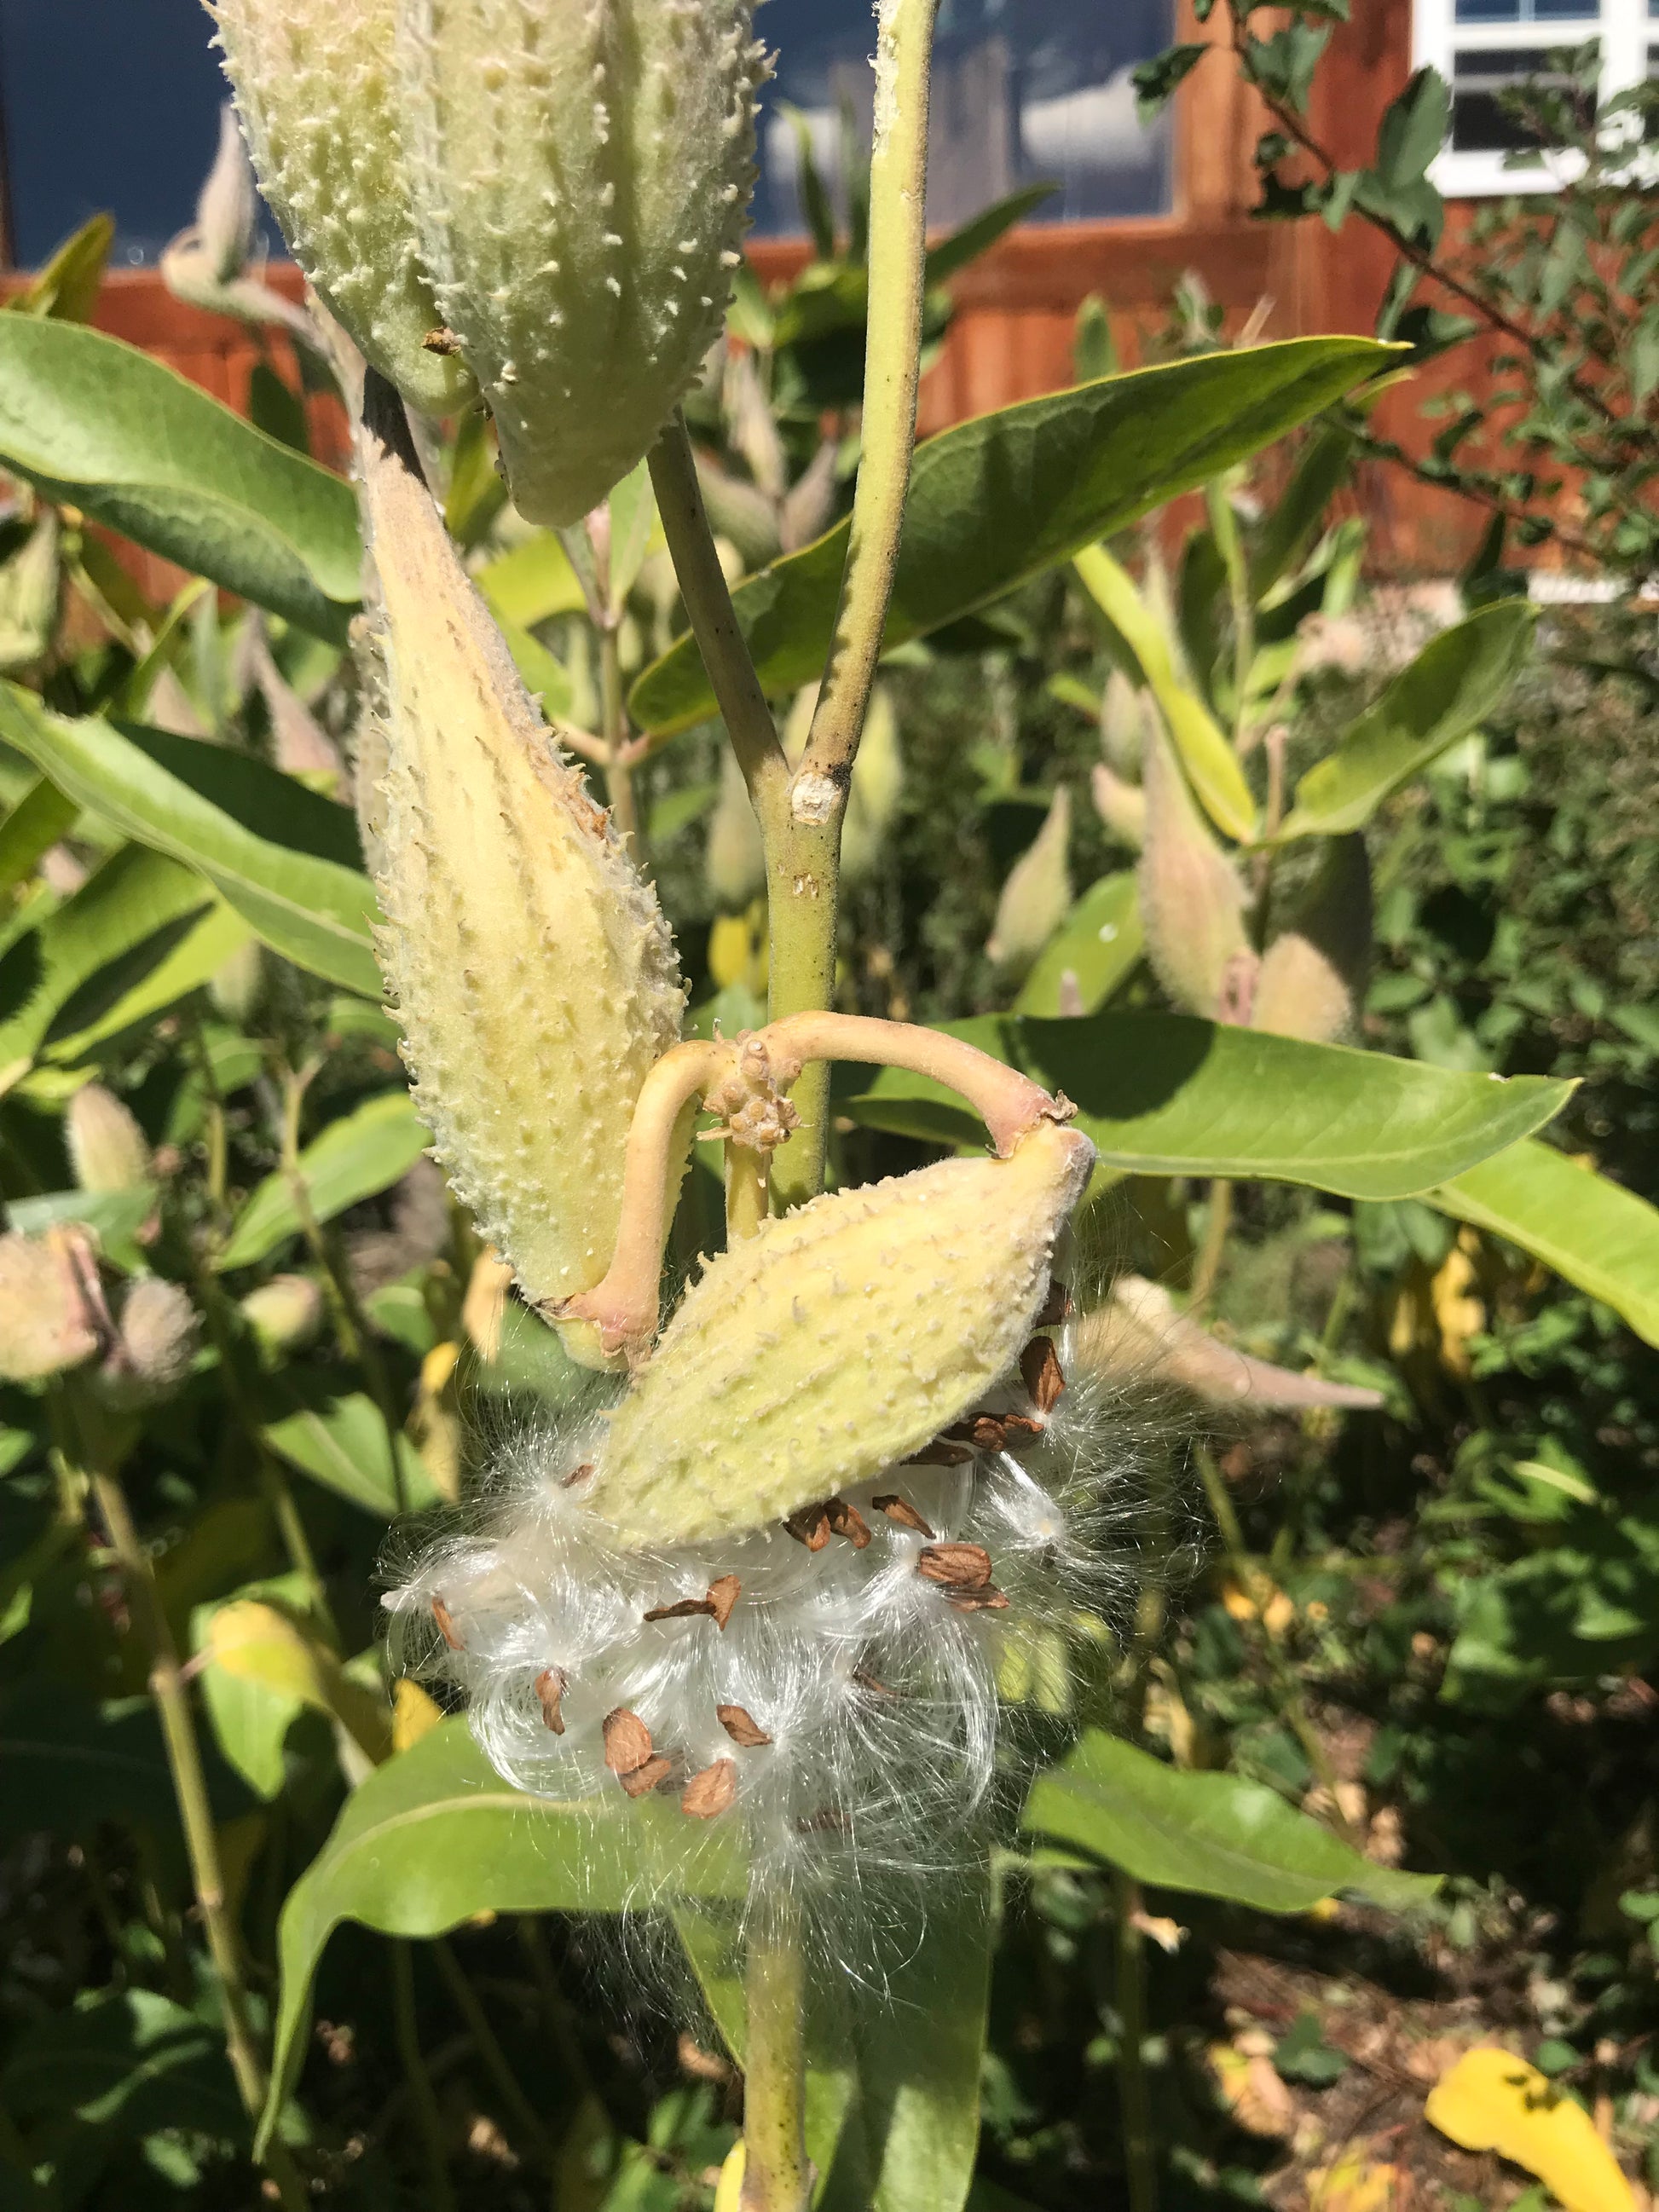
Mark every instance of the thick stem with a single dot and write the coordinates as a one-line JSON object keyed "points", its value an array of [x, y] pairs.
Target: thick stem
{"points": [[1208, 1269], [1223, 527], [184, 1756], [618, 773], [1138, 2154], [776, 2176], [748, 1185], [406, 2029]]}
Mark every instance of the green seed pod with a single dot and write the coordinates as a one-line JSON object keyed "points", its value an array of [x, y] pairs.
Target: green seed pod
{"points": [[316, 90], [873, 796], [1192, 898], [107, 1148], [581, 177], [49, 1304], [156, 1344], [1121, 806], [284, 1314], [30, 583], [838, 1340], [734, 862], [1313, 975], [1038, 894], [530, 964]]}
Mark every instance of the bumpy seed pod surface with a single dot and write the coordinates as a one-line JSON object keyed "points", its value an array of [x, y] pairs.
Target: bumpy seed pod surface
{"points": [[583, 171], [531, 968], [836, 1340], [1192, 896], [315, 89]]}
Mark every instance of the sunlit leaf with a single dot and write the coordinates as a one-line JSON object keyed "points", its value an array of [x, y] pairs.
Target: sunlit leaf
{"points": [[341, 1441], [1097, 948], [1215, 1833], [363, 1153], [1492, 2100]]}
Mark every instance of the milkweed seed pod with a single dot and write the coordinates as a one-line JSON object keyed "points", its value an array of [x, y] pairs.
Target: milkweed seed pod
{"points": [[51, 1310], [836, 1340], [1192, 898], [1121, 806], [157, 1331], [1313, 975], [581, 177], [317, 93], [829, 1686], [106, 1147], [285, 1314], [874, 796], [734, 862], [529, 962], [1037, 895]]}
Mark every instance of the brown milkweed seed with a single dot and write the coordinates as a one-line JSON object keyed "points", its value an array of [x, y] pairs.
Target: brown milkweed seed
{"points": [[940, 1453], [682, 1609], [711, 1791], [1057, 1308], [957, 1566], [549, 1687], [987, 1600], [722, 1596], [741, 1727], [447, 1628], [1040, 1371], [866, 1680], [628, 1740], [811, 1526], [847, 1520], [900, 1509], [651, 1775], [578, 1474]]}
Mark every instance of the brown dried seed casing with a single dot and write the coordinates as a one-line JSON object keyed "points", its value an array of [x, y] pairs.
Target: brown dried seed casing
{"points": [[627, 1741], [578, 1474], [1041, 1372], [711, 1791], [447, 1628], [684, 1608], [985, 1431], [550, 1686], [1057, 1308], [811, 1526], [900, 1509], [741, 1727], [651, 1776], [847, 1520], [722, 1596], [940, 1453], [866, 1680], [957, 1566], [987, 1600]]}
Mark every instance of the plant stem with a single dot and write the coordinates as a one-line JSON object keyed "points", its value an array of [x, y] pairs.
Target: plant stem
{"points": [[748, 1182], [1139, 2156], [406, 2029], [488, 2046], [1207, 1269], [618, 775], [776, 2176], [184, 1756], [1223, 528]]}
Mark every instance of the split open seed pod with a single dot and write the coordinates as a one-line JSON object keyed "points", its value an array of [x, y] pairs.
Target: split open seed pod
{"points": [[838, 1340], [532, 971]]}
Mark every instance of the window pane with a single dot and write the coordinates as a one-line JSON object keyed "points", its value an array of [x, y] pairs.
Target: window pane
{"points": [[1532, 11], [1024, 90], [1479, 125], [109, 104]]}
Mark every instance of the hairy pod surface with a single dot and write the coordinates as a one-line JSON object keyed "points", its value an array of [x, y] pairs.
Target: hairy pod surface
{"points": [[583, 171], [107, 1148], [317, 93], [1037, 895], [531, 966], [1314, 973], [838, 1340], [1192, 898]]}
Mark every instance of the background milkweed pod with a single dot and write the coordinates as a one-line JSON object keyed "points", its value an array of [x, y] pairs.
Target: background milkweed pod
{"points": [[317, 93], [51, 1310], [531, 969], [872, 798], [734, 861], [1313, 975], [1192, 898], [157, 1332], [581, 177], [107, 1148], [1037, 895], [838, 1340]]}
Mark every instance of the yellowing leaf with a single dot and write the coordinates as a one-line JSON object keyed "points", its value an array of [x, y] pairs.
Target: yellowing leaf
{"points": [[729, 2195], [1356, 2183], [256, 1642], [413, 1713], [1257, 2098], [1492, 2100]]}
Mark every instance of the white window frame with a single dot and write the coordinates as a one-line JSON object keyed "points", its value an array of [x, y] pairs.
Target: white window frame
{"points": [[1626, 30]]}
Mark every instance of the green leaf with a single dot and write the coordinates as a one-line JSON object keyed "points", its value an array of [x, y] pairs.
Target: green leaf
{"points": [[125, 2063], [894, 2052], [1211, 764], [982, 231], [1213, 1833], [435, 1836], [115, 1216], [68, 287], [341, 1441], [33, 826], [1594, 1231], [286, 858], [531, 583], [94, 423], [116, 1003], [363, 1153], [1162, 1094], [999, 499], [1097, 947], [1288, 529], [124, 920], [1458, 678], [70, 1763]]}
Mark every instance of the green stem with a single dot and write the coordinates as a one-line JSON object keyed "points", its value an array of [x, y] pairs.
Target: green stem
{"points": [[184, 1756], [776, 2176], [613, 728], [1206, 1269], [406, 2029], [1139, 2155], [487, 2044], [1223, 528]]}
